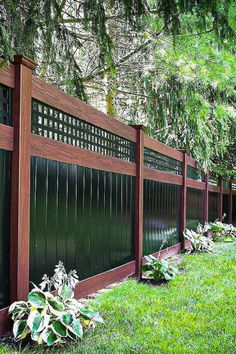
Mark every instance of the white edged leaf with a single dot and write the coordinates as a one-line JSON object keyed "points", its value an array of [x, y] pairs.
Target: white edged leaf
{"points": [[37, 298], [59, 329], [20, 329]]}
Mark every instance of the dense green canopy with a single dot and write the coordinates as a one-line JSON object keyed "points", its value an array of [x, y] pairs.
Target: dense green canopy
{"points": [[169, 64]]}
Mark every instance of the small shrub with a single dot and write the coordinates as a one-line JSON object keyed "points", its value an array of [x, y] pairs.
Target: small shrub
{"points": [[159, 270], [199, 242], [50, 319]]}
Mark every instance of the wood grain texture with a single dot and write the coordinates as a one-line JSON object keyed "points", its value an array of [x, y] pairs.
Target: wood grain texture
{"points": [[20, 189], [53, 96], [54, 150], [162, 148], [93, 284], [191, 162], [213, 188], [195, 184], [7, 76], [6, 137], [165, 177]]}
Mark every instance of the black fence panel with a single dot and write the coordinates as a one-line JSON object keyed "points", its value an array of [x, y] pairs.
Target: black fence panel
{"points": [[226, 207], [213, 206], [80, 216], [234, 210], [161, 215], [5, 182], [194, 208]]}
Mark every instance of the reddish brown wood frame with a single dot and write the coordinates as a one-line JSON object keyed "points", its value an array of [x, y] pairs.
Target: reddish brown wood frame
{"points": [[20, 187], [138, 243], [24, 144]]}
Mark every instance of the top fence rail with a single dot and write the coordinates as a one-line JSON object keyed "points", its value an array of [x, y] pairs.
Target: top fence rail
{"points": [[65, 119]]}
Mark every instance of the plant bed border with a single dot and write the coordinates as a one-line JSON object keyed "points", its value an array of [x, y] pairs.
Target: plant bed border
{"points": [[93, 284]]}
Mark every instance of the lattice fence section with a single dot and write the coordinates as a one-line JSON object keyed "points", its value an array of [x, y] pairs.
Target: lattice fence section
{"points": [[153, 159], [226, 184], [5, 105], [57, 125], [194, 173], [213, 180]]}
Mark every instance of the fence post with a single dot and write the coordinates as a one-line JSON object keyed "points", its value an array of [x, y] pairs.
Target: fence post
{"points": [[220, 210], [139, 200], [183, 204], [206, 198], [230, 203], [20, 190]]}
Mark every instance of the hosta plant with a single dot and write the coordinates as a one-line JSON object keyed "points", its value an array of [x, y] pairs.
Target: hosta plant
{"points": [[51, 319], [159, 270], [222, 232], [199, 242]]}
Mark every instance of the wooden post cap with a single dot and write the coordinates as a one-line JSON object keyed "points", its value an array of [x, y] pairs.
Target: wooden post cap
{"points": [[22, 59]]}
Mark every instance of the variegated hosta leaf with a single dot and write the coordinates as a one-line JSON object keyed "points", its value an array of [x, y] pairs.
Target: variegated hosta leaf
{"points": [[65, 292], [38, 321], [55, 306], [17, 305], [18, 310], [76, 328], [37, 298], [90, 314], [73, 305], [66, 318], [59, 328], [49, 337], [20, 329]]}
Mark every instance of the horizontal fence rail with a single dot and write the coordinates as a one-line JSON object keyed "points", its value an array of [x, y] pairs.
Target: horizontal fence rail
{"points": [[80, 187]]}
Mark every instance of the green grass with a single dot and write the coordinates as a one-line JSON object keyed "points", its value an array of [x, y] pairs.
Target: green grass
{"points": [[195, 313]]}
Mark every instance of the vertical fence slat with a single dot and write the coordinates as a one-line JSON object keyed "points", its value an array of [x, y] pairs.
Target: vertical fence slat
{"points": [[183, 201], [230, 203], [206, 198], [20, 194], [139, 200], [220, 208]]}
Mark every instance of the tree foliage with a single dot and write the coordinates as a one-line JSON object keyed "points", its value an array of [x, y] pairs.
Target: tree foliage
{"points": [[169, 64]]}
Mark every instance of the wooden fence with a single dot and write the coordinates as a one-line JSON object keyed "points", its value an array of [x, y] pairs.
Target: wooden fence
{"points": [[81, 187]]}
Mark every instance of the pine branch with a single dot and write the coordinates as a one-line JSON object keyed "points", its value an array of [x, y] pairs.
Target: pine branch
{"points": [[98, 71]]}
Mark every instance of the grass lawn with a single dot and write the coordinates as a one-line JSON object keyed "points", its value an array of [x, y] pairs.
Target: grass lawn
{"points": [[195, 313]]}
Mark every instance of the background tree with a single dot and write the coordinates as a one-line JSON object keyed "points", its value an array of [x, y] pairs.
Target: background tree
{"points": [[169, 64]]}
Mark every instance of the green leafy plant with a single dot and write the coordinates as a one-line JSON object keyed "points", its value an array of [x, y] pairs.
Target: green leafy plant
{"points": [[222, 232], [51, 319], [159, 270], [199, 242]]}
